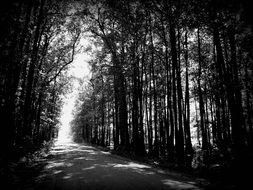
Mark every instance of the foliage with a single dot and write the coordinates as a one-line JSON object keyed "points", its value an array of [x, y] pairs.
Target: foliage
{"points": [[165, 71], [38, 42]]}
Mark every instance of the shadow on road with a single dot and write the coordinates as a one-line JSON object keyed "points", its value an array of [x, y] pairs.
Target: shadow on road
{"points": [[75, 166]]}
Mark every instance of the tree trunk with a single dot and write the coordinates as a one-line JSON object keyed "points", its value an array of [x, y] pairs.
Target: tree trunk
{"points": [[27, 131], [188, 143], [201, 101], [152, 69], [237, 119]]}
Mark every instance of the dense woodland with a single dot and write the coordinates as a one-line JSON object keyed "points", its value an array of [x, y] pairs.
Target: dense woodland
{"points": [[37, 45], [171, 79]]}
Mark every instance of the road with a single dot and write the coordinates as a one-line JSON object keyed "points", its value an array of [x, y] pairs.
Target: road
{"points": [[79, 166]]}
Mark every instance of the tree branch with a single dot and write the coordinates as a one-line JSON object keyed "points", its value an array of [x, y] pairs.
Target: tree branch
{"points": [[66, 63]]}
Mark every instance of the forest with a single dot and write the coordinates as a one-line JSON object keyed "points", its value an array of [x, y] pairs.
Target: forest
{"points": [[171, 80]]}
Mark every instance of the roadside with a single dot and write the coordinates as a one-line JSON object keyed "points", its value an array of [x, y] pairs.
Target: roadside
{"points": [[212, 178]]}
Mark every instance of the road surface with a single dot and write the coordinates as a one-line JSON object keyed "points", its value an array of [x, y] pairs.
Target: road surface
{"points": [[79, 166]]}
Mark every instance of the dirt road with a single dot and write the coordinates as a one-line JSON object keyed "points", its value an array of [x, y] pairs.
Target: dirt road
{"points": [[74, 166]]}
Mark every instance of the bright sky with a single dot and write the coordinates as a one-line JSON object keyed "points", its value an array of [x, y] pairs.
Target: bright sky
{"points": [[80, 69]]}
